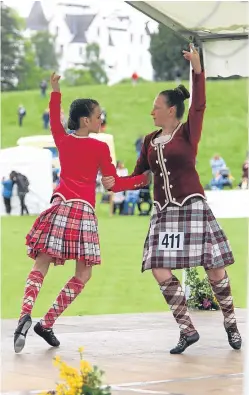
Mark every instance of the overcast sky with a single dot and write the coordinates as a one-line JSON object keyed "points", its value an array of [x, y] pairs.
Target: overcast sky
{"points": [[23, 6]]}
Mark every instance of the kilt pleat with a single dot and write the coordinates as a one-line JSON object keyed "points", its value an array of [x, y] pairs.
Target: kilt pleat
{"points": [[205, 243], [67, 230]]}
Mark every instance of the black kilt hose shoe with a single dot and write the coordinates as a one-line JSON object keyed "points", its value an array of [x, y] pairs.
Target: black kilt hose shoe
{"points": [[21, 332], [234, 338], [184, 342], [47, 334]]}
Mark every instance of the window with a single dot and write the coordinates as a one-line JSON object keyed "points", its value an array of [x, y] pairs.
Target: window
{"points": [[61, 49], [80, 51], [141, 39], [57, 31], [98, 32], [131, 38]]}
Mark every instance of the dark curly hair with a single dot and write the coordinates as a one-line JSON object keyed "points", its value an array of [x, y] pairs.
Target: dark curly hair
{"points": [[80, 108], [176, 97]]}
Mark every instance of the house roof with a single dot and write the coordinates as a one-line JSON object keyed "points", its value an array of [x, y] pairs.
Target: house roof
{"points": [[78, 26], [110, 41], [36, 19]]}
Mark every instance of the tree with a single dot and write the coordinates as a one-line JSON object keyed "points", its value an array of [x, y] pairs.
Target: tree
{"points": [[166, 53], [29, 74], [94, 64], [11, 46], [45, 50]]}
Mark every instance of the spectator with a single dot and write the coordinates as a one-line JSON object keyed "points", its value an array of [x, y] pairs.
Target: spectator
{"points": [[138, 145], [43, 87], [244, 184], [45, 118], [118, 202], [121, 169], [119, 197], [103, 120], [7, 194], [217, 163], [56, 177], [130, 202], [22, 189], [222, 179], [134, 78], [21, 114]]}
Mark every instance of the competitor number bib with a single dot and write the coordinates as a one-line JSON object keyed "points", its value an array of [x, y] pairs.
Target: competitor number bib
{"points": [[171, 241]]}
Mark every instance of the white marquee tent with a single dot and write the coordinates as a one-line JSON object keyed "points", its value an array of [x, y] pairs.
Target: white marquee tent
{"points": [[221, 30], [221, 26], [36, 165]]}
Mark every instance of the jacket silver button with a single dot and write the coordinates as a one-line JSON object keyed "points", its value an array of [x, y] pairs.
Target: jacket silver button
{"points": [[162, 187], [163, 146], [169, 173], [171, 186], [155, 148], [157, 162], [165, 201], [174, 200], [165, 160], [161, 174]]}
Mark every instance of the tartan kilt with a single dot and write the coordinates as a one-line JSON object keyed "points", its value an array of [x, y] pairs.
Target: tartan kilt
{"points": [[65, 231], [205, 244]]}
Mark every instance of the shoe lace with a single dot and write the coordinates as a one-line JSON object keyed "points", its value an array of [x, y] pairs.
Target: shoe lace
{"points": [[235, 336], [181, 341]]}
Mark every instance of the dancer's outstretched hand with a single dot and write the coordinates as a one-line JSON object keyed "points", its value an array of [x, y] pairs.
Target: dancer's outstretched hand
{"points": [[108, 182], [194, 57], [54, 80]]}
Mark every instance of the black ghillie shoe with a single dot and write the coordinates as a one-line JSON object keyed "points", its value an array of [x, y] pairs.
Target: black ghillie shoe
{"points": [[184, 342], [21, 332], [47, 334], [234, 338]]}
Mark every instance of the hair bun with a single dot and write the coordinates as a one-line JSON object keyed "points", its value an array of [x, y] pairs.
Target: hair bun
{"points": [[181, 90]]}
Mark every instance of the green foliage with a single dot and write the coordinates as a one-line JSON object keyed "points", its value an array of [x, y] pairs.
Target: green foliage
{"points": [[166, 49], [45, 50], [11, 47], [95, 64], [93, 385], [201, 294], [78, 77]]}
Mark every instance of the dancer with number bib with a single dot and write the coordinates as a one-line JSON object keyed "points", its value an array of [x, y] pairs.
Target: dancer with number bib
{"points": [[68, 229], [183, 231]]}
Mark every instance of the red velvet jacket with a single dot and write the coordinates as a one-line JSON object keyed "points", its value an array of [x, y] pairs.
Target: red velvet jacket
{"points": [[80, 160], [173, 163]]}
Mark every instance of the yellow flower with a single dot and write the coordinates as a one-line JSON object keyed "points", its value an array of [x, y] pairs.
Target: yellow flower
{"points": [[57, 361], [85, 367], [81, 349]]}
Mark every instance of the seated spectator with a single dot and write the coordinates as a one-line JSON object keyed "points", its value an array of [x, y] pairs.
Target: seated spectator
{"points": [[217, 163], [244, 184], [56, 177], [222, 179], [118, 202], [130, 202], [144, 201], [122, 171]]}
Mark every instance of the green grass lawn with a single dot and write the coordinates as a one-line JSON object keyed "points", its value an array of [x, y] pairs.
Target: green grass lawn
{"points": [[128, 110], [117, 286]]}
